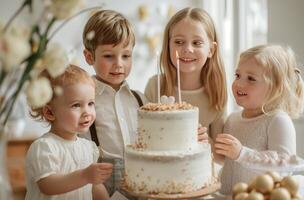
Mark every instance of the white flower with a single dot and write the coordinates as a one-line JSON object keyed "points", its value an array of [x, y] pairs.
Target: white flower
{"points": [[14, 47], [62, 9], [90, 35], [55, 60], [39, 92]]}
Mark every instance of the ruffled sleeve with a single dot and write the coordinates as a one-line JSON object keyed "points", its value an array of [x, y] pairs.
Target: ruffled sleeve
{"points": [[42, 160]]}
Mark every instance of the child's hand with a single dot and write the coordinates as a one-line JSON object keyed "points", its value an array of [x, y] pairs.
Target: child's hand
{"points": [[98, 172], [202, 135], [227, 145]]}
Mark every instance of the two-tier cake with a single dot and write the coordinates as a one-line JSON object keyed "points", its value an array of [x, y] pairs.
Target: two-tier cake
{"points": [[167, 157]]}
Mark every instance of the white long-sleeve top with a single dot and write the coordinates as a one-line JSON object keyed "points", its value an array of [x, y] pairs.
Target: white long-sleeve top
{"points": [[258, 135]]}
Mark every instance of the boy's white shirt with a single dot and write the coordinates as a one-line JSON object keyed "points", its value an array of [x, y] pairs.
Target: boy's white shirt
{"points": [[116, 118]]}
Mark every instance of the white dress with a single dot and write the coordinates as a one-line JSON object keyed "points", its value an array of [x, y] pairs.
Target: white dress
{"points": [[51, 154], [258, 136]]}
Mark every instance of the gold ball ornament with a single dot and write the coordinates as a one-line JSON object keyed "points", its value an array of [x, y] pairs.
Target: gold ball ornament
{"points": [[291, 184], [239, 187], [280, 194], [275, 176], [241, 196], [264, 183], [255, 196], [297, 197]]}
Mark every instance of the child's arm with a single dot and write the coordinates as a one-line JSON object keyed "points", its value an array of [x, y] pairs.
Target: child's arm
{"points": [[227, 145], [280, 137], [203, 137], [100, 192], [218, 158], [61, 183]]}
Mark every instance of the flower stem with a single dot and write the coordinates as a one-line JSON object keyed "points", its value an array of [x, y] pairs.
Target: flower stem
{"points": [[25, 3], [2, 76], [25, 76]]}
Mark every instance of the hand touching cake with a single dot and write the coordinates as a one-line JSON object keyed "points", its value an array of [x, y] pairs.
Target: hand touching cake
{"points": [[167, 157]]}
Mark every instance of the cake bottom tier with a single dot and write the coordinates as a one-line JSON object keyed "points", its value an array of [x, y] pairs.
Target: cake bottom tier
{"points": [[168, 171]]}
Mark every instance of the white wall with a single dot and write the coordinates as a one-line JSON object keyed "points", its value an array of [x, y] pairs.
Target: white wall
{"points": [[286, 26], [70, 36]]}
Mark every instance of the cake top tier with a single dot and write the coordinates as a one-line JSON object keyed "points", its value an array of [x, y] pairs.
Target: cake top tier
{"points": [[167, 104], [167, 107]]}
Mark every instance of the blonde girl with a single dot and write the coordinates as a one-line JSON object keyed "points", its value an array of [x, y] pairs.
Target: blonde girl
{"points": [[191, 34], [269, 88]]}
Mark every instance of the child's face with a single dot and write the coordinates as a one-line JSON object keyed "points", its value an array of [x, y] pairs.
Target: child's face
{"points": [[112, 64], [74, 110], [190, 40], [249, 87]]}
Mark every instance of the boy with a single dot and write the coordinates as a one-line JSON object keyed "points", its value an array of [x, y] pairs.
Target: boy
{"points": [[109, 39]]}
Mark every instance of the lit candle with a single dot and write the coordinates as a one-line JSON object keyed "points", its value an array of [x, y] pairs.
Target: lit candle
{"points": [[158, 76], [178, 78]]}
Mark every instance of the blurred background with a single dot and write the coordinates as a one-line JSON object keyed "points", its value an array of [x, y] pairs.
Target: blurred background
{"points": [[240, 24]]}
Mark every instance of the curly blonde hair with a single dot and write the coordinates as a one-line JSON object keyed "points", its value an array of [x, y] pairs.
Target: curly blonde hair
{"points": [[72, 75], [286, 89]]}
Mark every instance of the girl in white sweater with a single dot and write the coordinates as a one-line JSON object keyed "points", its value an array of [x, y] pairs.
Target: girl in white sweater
{"points": [[269, 88]]}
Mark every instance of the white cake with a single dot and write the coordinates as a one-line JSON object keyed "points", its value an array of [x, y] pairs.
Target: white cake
{"points": [[167, 157]]}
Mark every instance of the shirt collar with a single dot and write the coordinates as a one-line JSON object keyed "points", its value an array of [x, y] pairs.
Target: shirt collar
{"points": [[101, 86]]}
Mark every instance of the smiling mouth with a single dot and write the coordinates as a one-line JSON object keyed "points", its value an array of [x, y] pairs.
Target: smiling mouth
{"points": [[187, 59], [239, 93], [86, 123]]}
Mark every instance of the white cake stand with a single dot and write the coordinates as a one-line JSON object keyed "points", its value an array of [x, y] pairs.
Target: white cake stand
{"points": [[282, 169], [190, 195]]}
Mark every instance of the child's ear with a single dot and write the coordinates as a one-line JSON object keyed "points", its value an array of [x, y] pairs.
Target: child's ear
{"points": [[212, 49], [48, 113], [89, 57]]}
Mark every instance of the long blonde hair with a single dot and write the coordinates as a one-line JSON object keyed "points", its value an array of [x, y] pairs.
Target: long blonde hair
{"points": [[285, 85], [213, 73]]}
